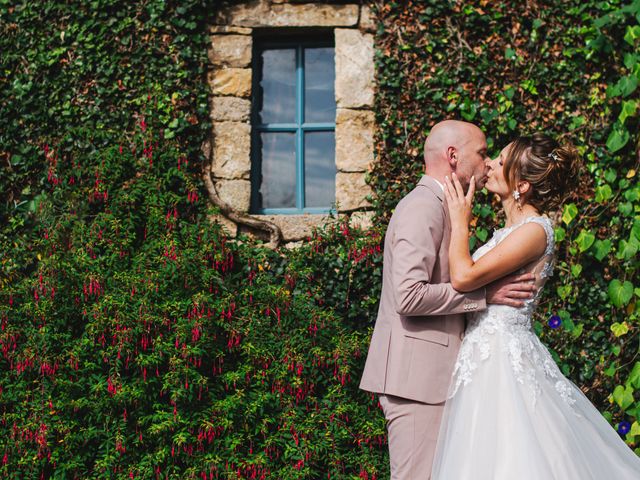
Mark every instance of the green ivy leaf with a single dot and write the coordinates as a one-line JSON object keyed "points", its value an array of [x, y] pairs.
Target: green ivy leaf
{"points": [[559, 234], [585, 240], [627, 249], [635, 230], [628, 110], [610, 370], [620, 329], [569, 213], [602, 248], [509, 91], [620, 293], [634, 376], [564, 291], [610, 175], [576, 270], [567, 322], [618, 138], [630, 59], [628, 84], [632, 34], [623, 396], [577, 121], [576, 332], [625, 208], [603, 193]]}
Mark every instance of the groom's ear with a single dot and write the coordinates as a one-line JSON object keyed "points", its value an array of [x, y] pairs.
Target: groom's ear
{"points": [[452, 157]]}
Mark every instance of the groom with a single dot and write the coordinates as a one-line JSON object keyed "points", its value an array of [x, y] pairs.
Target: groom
{"points": [[421, 319]]}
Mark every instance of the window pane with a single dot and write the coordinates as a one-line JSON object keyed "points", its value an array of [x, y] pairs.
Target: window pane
{"points": [[278, 84], [319, 169], [320, 102], [278, 182]]}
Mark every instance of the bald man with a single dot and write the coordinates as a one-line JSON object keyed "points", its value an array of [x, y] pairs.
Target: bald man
{"points": [[420, 321]]}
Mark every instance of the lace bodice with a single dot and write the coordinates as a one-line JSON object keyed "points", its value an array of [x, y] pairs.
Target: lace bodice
{"points": [[513, 325]]}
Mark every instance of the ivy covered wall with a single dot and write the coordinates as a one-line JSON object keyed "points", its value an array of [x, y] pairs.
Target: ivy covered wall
{"points": [[138, 342]]}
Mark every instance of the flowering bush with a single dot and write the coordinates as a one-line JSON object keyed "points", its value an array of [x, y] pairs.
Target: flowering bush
{"points": [[143, 344]]}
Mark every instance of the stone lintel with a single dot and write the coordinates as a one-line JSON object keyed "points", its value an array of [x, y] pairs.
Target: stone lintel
{"points": [[262, 13]]}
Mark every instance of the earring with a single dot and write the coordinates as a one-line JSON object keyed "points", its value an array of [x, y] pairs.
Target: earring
{"points": [[516, 196]]}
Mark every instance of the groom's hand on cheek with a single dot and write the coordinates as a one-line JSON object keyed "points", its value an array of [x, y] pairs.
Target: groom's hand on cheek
{"points": [[512, 290]]}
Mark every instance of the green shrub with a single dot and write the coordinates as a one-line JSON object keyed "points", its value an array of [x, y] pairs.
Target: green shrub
{"points": [[139, 342]]}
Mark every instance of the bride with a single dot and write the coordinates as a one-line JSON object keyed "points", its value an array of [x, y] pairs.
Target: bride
{"points": [[511, 414]]}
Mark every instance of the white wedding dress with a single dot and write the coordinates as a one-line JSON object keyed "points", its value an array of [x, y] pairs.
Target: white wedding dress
{"points": [[511, 414]]}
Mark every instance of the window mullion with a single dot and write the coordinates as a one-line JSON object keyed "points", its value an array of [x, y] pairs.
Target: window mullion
{"points": [[300, 203]]}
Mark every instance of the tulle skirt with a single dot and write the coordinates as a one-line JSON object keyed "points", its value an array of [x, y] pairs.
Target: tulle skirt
{"points": [[500, 426]]}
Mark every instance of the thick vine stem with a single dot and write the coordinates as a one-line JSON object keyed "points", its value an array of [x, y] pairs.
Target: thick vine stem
{"points": [[275, 234]]}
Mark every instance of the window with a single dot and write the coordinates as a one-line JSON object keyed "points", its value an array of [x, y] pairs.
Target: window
{"points": [[293, 135]]}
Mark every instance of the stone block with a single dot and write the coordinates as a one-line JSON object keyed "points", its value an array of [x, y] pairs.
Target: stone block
{"points": [[231, 81], [354, 68], [231, 150], [236, 193], [351, 191], [230, 50], [232, 109], [262, 13], [368, 21], [354, 139]]}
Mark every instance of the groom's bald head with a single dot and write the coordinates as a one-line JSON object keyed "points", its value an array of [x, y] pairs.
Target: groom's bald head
{"points": [[455, 146]]}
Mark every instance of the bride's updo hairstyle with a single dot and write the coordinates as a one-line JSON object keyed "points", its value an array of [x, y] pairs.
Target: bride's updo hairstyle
{"points": [[550, 168]]}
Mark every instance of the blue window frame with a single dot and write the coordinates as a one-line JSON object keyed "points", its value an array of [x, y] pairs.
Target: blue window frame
{"points": [[293, 136]]}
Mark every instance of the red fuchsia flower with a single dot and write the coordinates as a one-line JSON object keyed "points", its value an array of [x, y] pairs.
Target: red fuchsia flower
{"points": [[143, 125]]}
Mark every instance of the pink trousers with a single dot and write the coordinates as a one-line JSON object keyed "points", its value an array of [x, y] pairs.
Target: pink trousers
{"points": [[413, 432]]}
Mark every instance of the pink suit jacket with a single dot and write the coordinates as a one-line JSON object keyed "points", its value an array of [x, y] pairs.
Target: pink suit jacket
{"points": [[420, 321]]}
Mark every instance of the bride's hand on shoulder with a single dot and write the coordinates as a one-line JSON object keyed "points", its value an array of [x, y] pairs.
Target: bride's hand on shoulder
{"points": [[458, 203]]}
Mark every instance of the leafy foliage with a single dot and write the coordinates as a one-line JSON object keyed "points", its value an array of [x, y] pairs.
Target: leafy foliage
{"points": [[139, 342], [569, 69]]}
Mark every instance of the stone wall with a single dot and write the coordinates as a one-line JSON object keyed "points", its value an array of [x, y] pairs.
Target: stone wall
{"points": [[230, 80]]}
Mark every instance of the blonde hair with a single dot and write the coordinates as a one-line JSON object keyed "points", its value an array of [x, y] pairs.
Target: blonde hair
{"points": [[550, 168]]}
